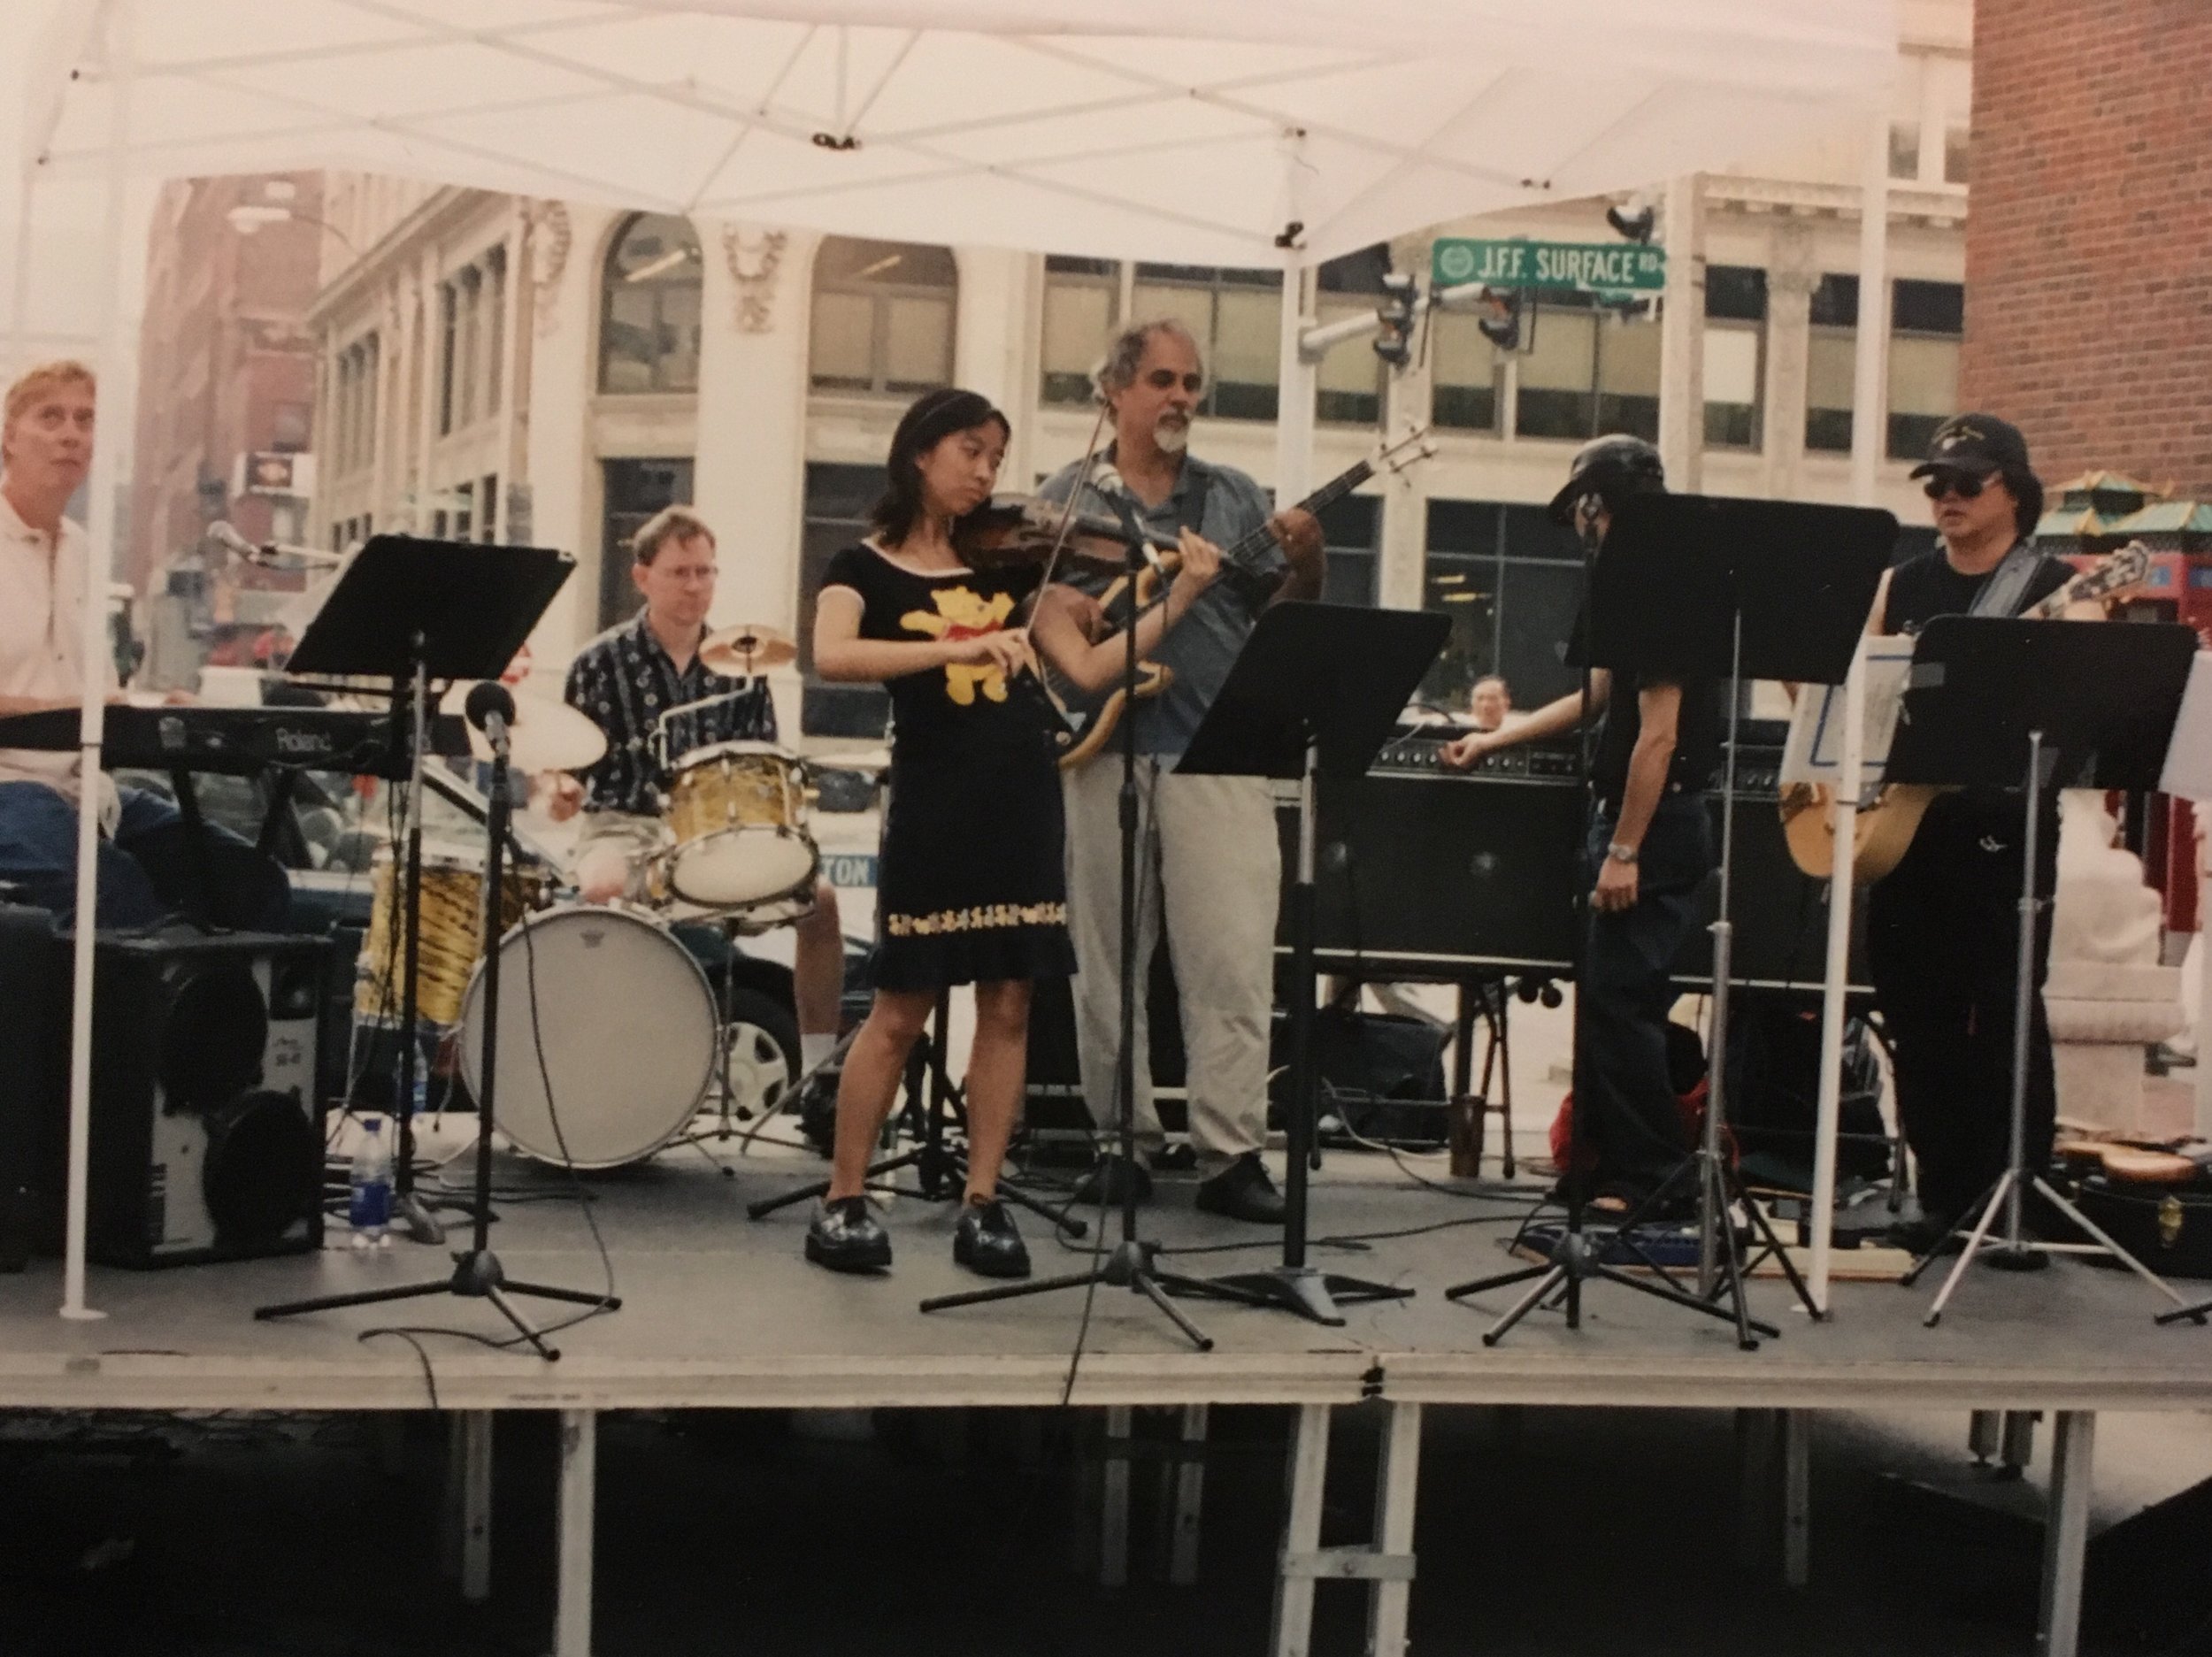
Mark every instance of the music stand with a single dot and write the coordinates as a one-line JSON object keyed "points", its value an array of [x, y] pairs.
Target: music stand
{"points": [[1725, 589], [410, 610], [1997, 703], [1316, 687]]}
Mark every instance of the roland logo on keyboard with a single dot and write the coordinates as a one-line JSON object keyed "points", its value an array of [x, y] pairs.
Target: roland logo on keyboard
{"points": [[293, 741]]}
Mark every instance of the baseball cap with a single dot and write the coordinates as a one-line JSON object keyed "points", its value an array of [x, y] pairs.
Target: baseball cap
{"points": [[1976, 443]]}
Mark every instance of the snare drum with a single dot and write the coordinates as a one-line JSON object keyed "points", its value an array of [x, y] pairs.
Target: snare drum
{"points": [[737, 812], [607, 1032], [452, 935]]}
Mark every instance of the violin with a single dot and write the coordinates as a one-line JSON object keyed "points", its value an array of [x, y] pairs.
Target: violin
{"points": [[1020, 532]]}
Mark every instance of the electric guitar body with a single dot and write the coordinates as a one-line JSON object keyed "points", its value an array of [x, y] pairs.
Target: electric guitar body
{"points": [[1886, 829]]}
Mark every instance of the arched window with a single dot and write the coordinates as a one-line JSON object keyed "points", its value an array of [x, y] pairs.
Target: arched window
{"points": [[649, 314], [883, 317]]}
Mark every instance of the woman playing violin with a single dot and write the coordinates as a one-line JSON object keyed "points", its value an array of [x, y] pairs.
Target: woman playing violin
{"points": [[971, 887]]}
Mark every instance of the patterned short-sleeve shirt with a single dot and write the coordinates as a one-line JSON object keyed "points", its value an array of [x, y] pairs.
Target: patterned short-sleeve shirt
{"points": [[623, 680]]}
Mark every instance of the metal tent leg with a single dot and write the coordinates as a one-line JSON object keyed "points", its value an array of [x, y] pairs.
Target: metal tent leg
{"points": [[1395, 1486], [579, 1492], [2066, 1534]]}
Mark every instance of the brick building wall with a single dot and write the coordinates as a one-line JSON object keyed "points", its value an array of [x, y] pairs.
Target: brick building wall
{"points": [[225, 363], [2089, 242]]}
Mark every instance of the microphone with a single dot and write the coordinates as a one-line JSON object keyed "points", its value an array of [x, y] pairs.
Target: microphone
{"points": [[490, 708], [1106, 483]]}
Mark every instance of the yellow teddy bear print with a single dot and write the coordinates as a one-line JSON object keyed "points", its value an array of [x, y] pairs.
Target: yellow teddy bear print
{"points": [[964, 614]]}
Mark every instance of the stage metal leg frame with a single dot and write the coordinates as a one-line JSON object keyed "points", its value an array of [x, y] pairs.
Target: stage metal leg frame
{"points": [[2066, 1534], [577, 1498], [1386, 1564]]}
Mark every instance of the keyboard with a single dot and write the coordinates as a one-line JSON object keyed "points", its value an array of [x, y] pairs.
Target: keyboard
{"points": [[237, 741]]}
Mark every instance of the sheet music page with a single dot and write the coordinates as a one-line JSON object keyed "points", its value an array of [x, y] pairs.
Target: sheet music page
{"points": [[1814, 751]]}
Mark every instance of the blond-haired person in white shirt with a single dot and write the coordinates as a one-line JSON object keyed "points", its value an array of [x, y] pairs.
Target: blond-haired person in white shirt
{"points": [[148, 867]]}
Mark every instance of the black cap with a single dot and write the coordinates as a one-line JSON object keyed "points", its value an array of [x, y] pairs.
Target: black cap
{"points": [[1977, 443], [1611, 467]]}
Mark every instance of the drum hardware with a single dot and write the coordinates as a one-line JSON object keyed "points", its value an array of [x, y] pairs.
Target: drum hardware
{"points": [[747, 648], [768, 1093], [935, 1108], [477, 1273]]}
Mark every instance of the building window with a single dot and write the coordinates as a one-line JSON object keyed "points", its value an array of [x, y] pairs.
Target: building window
{"points": [[448, 332], [353, 406], [1468, 371], [290, 424], [1735, 354], [1236, 318], [1830, 370], [1588, 371], [1904, 150], [1509, 579], [1927, 324], [1958, 152], [837, 501], [495, 328], [632, 491], [488, 506], [1082, 310], [1351, 530], [883, 317], [648, 316], [1349, 380]]}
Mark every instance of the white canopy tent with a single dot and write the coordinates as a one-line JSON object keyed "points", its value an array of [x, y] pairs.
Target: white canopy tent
{"points": [[1218, 132]]}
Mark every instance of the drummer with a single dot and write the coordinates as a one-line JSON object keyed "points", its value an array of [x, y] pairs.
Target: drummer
{"points": [[623, 680]]}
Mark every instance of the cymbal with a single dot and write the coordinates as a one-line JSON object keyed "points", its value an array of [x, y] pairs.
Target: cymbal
{"points": [[545, 734], [747, 648]]}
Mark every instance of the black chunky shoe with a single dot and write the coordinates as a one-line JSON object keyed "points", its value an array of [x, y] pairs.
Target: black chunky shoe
{"points": [[986, 1242], [846, 1237], [1243, 1191]]}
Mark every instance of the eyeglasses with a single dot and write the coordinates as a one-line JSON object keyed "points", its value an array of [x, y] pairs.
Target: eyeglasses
{"points": [[1965, 485]]}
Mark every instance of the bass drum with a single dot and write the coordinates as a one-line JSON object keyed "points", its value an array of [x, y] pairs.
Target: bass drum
{"points": [[607, 1033]]}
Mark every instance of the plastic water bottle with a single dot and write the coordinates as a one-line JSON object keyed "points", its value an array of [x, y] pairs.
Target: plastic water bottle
{"points": [[370, 1211]]}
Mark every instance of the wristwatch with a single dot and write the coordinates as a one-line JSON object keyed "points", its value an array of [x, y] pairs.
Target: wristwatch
{"points": [[1621, 854]]}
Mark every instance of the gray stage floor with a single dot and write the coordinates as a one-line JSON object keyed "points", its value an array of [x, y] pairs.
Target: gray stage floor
{"points": [[719, 1311]]}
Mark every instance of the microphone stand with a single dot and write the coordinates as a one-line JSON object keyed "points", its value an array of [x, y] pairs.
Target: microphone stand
{"points": [[477, 1273], [1134, 1263]]}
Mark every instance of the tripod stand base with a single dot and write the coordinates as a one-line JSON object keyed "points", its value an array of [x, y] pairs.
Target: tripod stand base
{"points": [[1300, 1289], [1129, 1266], [2009, 1254], [1576, 1259], [478, 1276]]}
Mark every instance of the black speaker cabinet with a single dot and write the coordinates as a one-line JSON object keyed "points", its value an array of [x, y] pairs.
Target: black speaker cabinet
{"points": [[207, 1133], [1450, 873], [27, 1078]]}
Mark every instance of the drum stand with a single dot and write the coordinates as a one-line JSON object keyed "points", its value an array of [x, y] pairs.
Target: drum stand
{"points": [[477, 1273], [940, 1167], [724, 1111]]}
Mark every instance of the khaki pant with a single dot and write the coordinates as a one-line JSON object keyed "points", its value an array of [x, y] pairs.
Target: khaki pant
{"points": [[1208, 861]]}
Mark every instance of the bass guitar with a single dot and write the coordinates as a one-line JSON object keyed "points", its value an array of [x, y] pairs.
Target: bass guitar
{"points": [[1243, 564], [1886, 827]]}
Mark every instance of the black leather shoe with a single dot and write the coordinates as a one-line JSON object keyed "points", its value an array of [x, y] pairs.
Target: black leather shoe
{"points": [[986, 1242], [1108, 1182], [846, 1237], [1243, 1191]]}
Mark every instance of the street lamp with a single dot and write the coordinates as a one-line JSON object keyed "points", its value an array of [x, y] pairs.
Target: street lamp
{"points": [[248, 217]]}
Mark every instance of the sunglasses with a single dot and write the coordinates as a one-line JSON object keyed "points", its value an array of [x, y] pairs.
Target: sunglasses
{"points": [[1965, 485]]}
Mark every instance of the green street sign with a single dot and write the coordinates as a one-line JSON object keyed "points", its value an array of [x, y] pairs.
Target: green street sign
{"points": [[1591, 267]]}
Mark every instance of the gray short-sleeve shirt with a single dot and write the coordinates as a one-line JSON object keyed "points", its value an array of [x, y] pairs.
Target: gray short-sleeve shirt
{"points": [[1203, 645]]}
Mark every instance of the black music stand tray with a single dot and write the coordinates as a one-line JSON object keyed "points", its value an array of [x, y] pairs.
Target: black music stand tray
{"points": [[2034, 705], [1316, 687], [1733, 589]]}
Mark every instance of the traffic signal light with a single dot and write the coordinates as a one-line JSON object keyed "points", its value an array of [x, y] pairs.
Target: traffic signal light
{"points": [[1394, 339], [1498, 315]]}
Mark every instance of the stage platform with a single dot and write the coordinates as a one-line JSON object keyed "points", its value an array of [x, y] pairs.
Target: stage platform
{"points": [[720, 1311]]}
